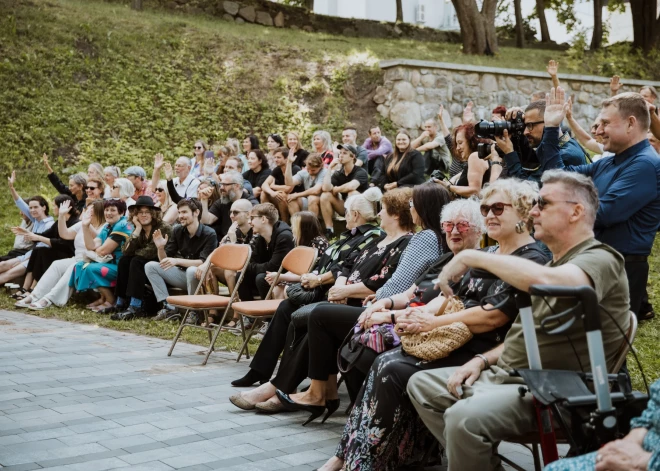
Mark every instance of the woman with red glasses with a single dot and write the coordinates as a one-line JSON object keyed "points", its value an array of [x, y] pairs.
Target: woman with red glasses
{"points": [[383, 431]]}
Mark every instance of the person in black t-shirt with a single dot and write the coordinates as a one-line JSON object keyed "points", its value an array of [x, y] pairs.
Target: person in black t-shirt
{"points": [[258, 170], [217, 216], [274, 190], [343, 179]]}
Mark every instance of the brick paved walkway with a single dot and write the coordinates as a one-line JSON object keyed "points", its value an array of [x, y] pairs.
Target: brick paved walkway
{"points": [[78, 397]]}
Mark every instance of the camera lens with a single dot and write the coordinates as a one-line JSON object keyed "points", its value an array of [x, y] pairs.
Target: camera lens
{"points": [[484, 150]]}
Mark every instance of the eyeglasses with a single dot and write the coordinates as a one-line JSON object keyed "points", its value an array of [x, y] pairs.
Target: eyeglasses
{"points": [[411, 204], [496, 208], [530, 126], [542, 202], [462, 226], [92, 188], [160, 190], [144, 213], [233, 212]]}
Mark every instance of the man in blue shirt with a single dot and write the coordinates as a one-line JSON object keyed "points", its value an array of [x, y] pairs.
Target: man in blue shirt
{"points": [[628, 183]]}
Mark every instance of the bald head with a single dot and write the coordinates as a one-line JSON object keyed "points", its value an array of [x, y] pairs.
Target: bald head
{"points": [[240, 212]]}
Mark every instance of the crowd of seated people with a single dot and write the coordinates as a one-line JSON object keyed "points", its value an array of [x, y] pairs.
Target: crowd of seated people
{"points": [[402, 227]]}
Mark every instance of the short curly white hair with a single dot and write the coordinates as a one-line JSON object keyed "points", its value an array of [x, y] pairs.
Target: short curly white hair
{"points": [[467, 209]]}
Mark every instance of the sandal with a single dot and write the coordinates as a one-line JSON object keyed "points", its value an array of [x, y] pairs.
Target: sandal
{"points": [[21, 293], [43, 303]]}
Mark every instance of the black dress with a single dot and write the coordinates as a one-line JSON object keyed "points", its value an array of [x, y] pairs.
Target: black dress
{"points": [[409, 173], [42, 257], [384, 431]]}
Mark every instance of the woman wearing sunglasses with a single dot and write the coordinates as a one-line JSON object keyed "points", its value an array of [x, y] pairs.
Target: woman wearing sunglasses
{"points": [[164, 201], [197, 162], [383, 431]]}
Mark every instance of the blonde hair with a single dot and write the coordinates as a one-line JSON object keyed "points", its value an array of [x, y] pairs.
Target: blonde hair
{"points": [[233, 146], [293, 133], [366, 203], [522, 194], [168, 199], [126, 188]]}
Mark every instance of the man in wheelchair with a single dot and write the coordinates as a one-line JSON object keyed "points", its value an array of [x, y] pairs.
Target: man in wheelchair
{"points": [[472, 408]]}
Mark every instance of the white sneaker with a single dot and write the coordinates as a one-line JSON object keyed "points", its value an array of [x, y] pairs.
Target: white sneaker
{"points": [[43, 303], [12, 285]]}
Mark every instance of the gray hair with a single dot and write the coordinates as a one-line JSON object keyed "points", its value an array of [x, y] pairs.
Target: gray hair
{"points": [[581, 186], [113, 170], [187, 160], [97, 167], [325, 136], [365, 203], [126, 188], [79, 178], [235, 177], [466, 208]]}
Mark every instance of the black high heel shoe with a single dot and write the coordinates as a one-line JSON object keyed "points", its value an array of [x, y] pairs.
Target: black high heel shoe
{"points": [[249, 379], [292, 406], [332, 405]]}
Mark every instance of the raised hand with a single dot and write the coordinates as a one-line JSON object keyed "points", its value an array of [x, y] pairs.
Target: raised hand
{"points": [[468, 113], [552, 68], [569, 110], [168, 170], [160, 241], [292, 156], [65, 207], [556, 107], [159, 160], [615, 85], [441, 111], [46, 163], [87, 216], [205, 193], [11, 180]]}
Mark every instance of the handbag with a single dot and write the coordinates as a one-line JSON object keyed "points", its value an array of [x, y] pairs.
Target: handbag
{"points": [[361, 347], [301, 296], [92, 256], [441, 341]]}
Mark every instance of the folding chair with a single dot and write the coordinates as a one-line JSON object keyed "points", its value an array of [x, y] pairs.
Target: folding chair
{"points": [[531, 441], [299, 261], [226, 257]]}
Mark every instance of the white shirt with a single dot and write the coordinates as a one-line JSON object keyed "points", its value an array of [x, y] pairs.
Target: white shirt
{"points": [[79, 241], [186, 188]]}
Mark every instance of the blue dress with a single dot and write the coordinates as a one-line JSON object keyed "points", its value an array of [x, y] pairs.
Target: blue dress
{"points": [[91, 275], [650, 420]]}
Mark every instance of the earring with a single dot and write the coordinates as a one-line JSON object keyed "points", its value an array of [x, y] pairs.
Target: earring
{"points": [[520, 227]]}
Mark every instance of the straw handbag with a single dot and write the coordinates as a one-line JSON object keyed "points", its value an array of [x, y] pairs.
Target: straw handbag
{"points": [[441, 341]]}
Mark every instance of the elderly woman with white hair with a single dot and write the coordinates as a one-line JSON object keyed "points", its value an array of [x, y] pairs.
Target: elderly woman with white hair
{"points": [[383, 431], [124, 190], [322, 144], [110, 174]]}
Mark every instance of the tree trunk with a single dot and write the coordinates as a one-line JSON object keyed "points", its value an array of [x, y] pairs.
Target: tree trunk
{"points": [[520, 27], [399, 11], [309, 4], [477, 27], [540, 11], [597, 37], [645, 23], [136, 5]]}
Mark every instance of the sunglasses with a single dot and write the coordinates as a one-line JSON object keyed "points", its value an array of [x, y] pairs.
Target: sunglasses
{"points": [[198, 147], [496, 208], [160, 190], [461, 226], [233, 212], [542, 202], [92, 188]]}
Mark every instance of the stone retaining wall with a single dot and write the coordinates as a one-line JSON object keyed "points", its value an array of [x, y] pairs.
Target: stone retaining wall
{"points": [[269, 13], [413, 90]]}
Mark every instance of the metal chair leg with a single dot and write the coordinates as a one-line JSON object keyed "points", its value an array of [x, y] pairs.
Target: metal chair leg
{"points": [[537, 457], [178, 332], [247, 338]]}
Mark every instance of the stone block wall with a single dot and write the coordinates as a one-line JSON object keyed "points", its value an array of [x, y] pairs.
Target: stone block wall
{"points": [[412, 91], [268, 13]]}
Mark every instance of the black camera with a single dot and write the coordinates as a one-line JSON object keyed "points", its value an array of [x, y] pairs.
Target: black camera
{"points": [[438, 175], [488, 130], [484, 150]]}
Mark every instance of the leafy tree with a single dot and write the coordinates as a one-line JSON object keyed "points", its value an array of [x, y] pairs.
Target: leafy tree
{"points": [[477, 26]]}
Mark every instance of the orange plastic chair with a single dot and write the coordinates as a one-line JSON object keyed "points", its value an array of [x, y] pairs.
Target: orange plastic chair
{"points": [[227, 257], [299, 261]]}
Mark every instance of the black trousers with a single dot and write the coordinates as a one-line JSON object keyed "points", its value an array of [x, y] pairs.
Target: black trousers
{"points": [[327, 327], [253, 283], [42, 258], [131, 277], [266, 356], [638, 275], [293, 366]]}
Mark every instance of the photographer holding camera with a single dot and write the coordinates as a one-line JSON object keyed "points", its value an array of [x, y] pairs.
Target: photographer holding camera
{"points": [[521, 139]]}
